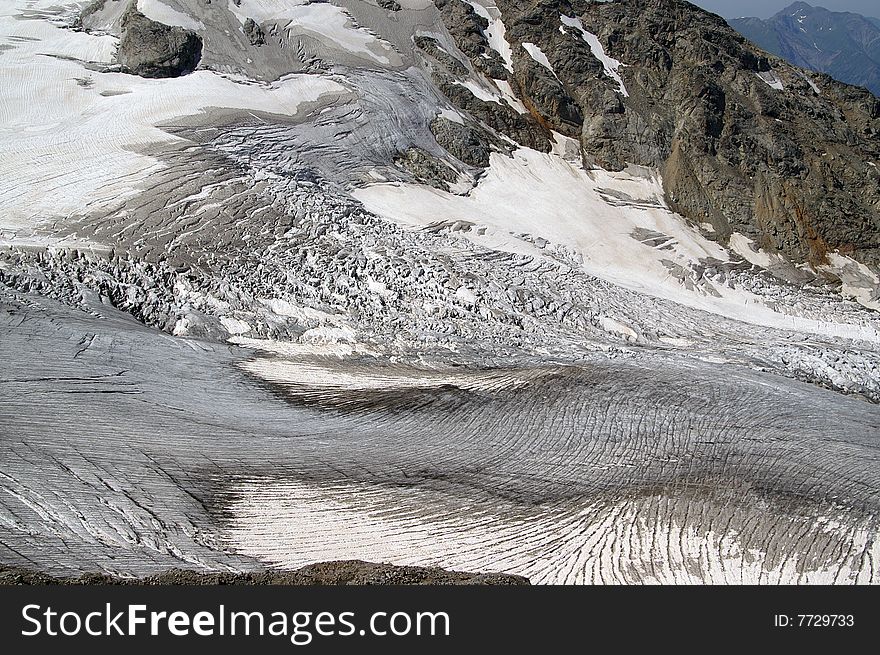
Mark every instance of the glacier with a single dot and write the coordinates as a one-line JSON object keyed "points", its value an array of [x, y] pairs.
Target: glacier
{"points": [[239, 328]]}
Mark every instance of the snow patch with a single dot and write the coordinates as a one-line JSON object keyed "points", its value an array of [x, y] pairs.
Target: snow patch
{"points": [[303, 315], [616, 327], [234, 326], [451, 115], [745, 248], [510, 97], [495, 33], [78, 146], [609, 64], [858, 281], [594, 214], [480, 92], [771, 79], [329, 335], [538, 55], [566, 147], [162, 13], [466, 295], [812, 85], [326, 375], [265, 10], [328, 23]]}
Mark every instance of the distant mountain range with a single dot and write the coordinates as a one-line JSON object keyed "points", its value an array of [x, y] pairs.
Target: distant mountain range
{"points": [[843, 44]]}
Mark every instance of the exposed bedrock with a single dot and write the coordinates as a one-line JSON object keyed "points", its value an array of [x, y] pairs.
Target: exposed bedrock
{"points": [[468, 29], [746, 142], [255, 34], [152, 49], [462, 141], [390, 5], [351, 572]]}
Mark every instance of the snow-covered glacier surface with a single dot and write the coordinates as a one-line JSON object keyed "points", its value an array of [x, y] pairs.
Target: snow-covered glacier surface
{"points": [[236, 332]]}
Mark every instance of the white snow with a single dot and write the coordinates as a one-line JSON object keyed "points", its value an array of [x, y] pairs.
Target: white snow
{"points": [[771, 79], [379, 288], [466, 295], [324, 374], [338, 349], [538, 55], [613, 325], [304, 315], [451, 115], [545, 196], [566, 147], [69, 137], [510, 97], [162, 13], [234, 326], [294, 523], [329, 335], [744, 247], [481, 92], [858, 281], [609, 64], [265, 10], [812, 84], [495, 33], [328, 23], [338, 27]]}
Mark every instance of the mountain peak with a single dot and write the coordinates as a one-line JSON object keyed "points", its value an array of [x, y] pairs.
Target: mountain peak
{"points": [[843, 44], [796, 7]]}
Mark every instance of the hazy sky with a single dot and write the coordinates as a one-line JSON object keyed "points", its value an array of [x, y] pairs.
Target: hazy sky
{"points": [[766, 8]]}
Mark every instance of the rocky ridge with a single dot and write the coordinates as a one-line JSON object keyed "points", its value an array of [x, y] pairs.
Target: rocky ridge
{"points": [[746, 142]]}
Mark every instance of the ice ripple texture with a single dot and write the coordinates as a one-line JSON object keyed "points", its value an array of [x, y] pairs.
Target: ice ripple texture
{"points": [[648, 469]]}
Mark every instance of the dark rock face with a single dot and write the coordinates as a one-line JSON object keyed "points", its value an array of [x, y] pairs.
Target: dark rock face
{"points": [[390, 5], [426, 168], [446, 71], [542, 92], [843, 44], [152, 49], [467, 28], [254, 32], [790, 168], [462, 142], [353, 572]]}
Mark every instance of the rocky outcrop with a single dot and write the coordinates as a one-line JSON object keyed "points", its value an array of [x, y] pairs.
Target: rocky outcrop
{"points": [[152, 49], [349, 572], [390, 5], [746, 142], [462, 142], [469, 31], [427, 169], [254, 32], [781, 163], [447, 72]]}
